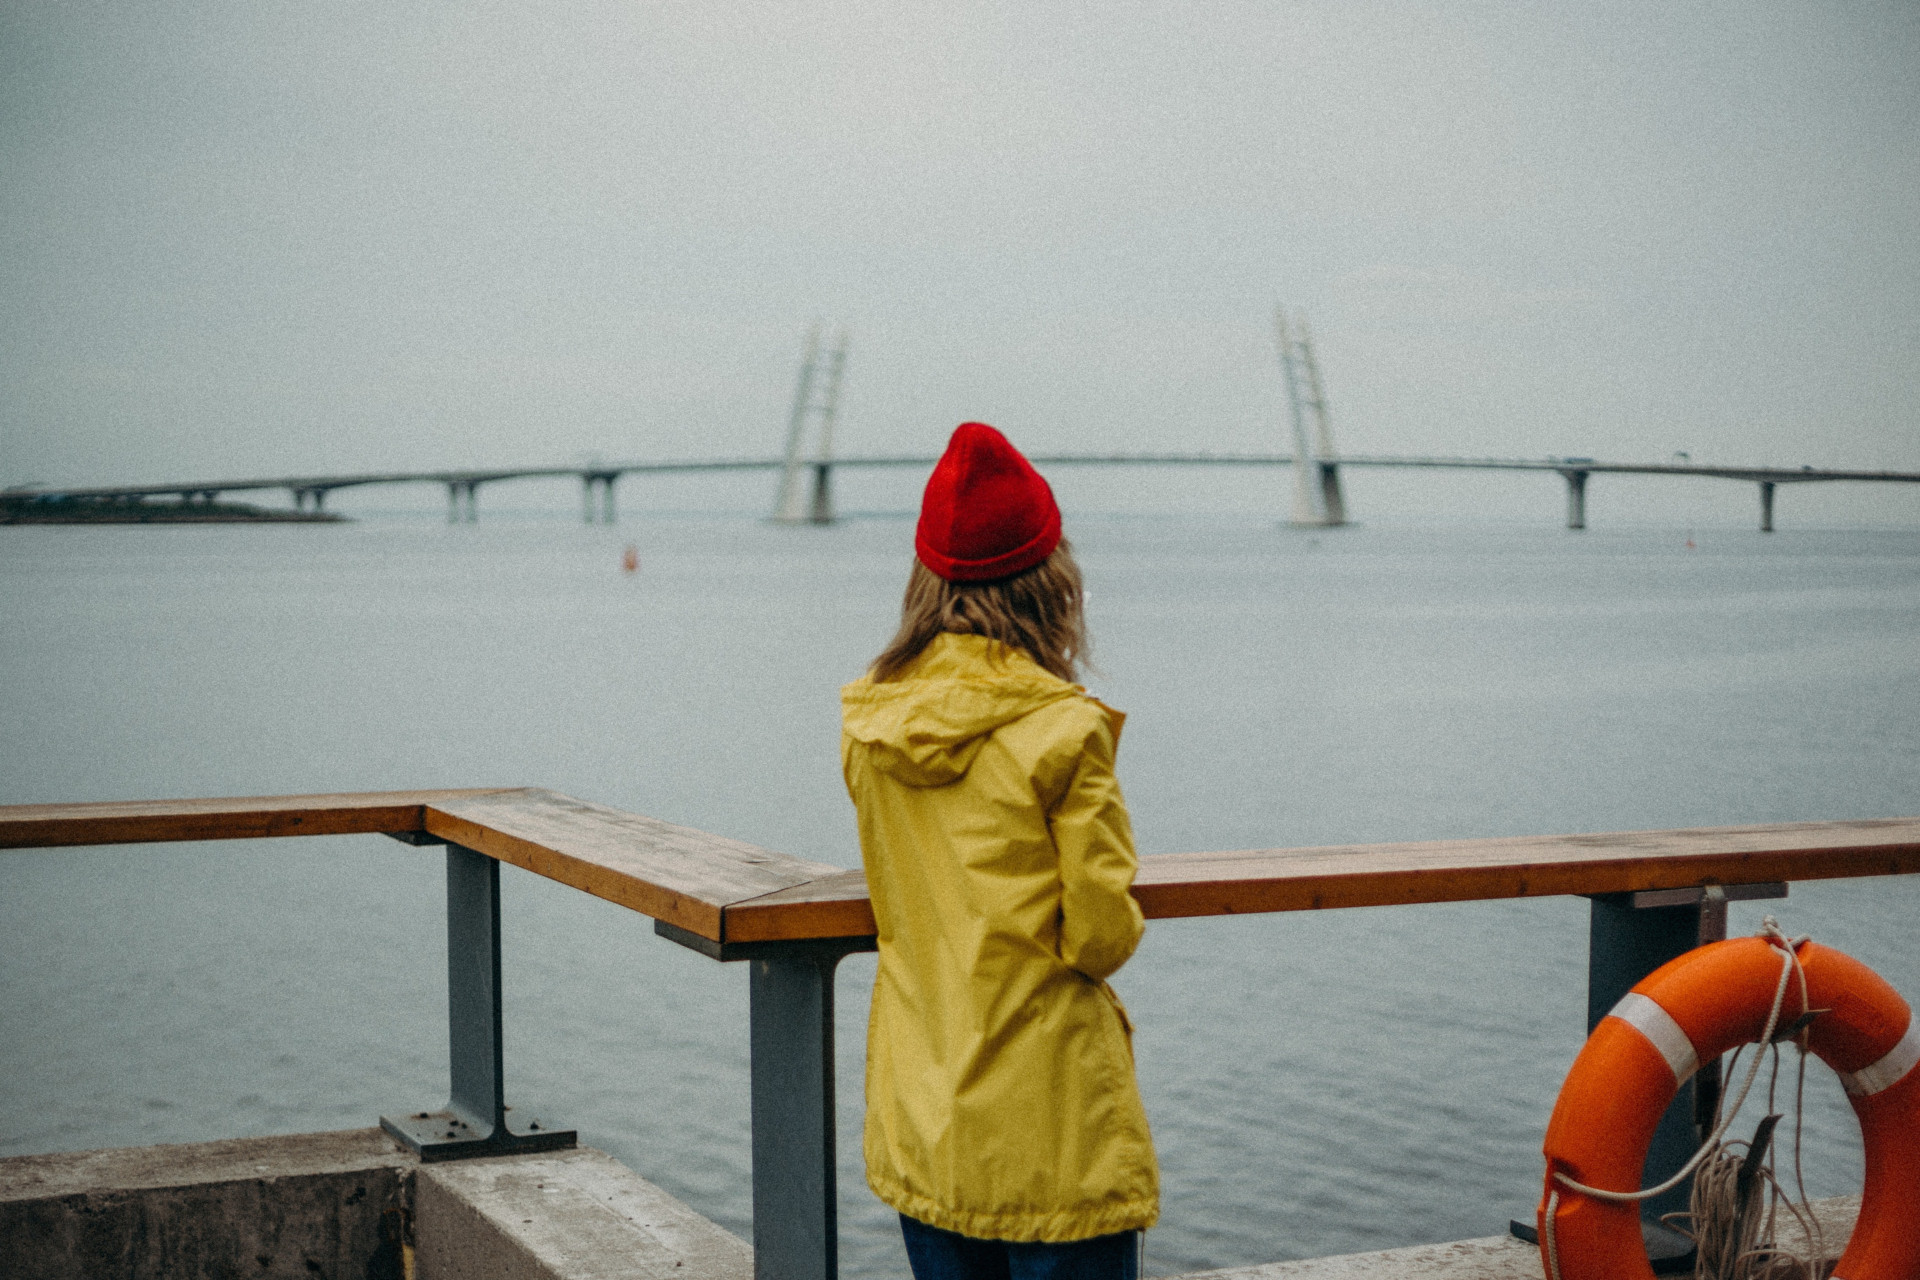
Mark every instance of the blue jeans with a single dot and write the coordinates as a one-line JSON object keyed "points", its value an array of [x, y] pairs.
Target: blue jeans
{"points": [[946, 1255]]}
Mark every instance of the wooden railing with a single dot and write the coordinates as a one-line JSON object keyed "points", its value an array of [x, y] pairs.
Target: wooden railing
{"points": [[1655, 894], [728, 891]]}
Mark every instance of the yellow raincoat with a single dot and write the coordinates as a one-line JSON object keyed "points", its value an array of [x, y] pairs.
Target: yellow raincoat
{"points": [[1001, 1101]]}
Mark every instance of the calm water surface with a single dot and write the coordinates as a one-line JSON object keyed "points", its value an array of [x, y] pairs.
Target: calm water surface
{"points": [[1318, 1083]]}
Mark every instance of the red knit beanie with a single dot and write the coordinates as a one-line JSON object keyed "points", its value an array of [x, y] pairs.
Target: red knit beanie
{"points": [[987, 513]]}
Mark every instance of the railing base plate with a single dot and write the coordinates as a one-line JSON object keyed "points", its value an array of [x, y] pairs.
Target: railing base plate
{"points": [[442, 1135]]}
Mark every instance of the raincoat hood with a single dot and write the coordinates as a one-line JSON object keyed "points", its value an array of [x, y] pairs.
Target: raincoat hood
{"points": [[925, 728]]}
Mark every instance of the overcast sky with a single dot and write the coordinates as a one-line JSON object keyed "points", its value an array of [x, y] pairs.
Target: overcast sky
{"points": [[245, 238]]}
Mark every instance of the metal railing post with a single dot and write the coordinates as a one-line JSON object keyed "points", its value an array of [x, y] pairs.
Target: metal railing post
{"points": [[474, 1121], [796, 1234], [1630, 935], [1626, 943], [475, 1040], [796, 1227]]}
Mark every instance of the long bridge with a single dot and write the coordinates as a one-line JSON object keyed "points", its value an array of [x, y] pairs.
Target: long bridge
{"points": [[806, 467], [814, 503]]}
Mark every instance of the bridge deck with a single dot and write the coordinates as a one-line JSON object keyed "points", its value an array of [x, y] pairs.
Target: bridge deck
{"points": [[327, 483]]}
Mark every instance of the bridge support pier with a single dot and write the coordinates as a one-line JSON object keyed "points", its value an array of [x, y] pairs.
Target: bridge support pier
{"points": [[1576, 499], [456, 489], [1766, 506], [820, 510], [1331, 499], [602, 511]]}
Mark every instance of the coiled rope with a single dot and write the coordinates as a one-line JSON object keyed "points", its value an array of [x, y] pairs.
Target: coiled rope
{"points": [[1726, 1239]]}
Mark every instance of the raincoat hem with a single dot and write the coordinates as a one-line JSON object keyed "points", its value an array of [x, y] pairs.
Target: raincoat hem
{"points": [[1057, 1227]]}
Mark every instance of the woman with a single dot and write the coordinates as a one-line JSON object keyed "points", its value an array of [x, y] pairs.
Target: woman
{"points": [[1003, 1120]]}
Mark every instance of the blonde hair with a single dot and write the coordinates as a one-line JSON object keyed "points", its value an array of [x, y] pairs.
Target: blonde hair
{"points": [[1037, 611]]}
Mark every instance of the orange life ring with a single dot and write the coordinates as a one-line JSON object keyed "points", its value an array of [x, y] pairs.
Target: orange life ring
{"points": [[1694, 1009]]}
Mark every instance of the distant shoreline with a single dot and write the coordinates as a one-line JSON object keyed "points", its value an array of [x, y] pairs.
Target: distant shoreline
{"points": [[27, 509]]}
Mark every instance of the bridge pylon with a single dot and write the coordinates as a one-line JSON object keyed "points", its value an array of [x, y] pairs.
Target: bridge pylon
{"points": [[816, 399], [1317, 499]]}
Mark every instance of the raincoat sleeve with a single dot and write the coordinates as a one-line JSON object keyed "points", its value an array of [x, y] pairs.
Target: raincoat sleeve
{"points": [[1100, 922]]}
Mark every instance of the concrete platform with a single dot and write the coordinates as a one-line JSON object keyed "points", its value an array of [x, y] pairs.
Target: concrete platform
{"points": [[571, 1215], [292, 1208], [354, 1205], [358, 1206], [1489, 1258]]}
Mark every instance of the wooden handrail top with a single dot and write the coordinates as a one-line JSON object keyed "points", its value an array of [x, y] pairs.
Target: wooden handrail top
{"points": [[685, 877], [46, 826], [1257, 880], [725, 890]]}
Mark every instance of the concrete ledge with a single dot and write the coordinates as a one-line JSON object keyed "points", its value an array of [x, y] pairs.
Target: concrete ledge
{"points": [[358, 1206], [354, 1205], [329, 1204], [1489, 1258], [572, 1215]]}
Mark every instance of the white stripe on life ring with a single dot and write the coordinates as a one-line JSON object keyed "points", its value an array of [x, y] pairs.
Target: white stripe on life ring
{"points": [[1887, 1072], [1658, 1026]]}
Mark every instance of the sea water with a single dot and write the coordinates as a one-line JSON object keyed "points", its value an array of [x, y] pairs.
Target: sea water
{"points": [[1318, 1082]]}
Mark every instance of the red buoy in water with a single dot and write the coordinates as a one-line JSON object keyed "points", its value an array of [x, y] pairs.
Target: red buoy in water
{"points": [[630, 559]]}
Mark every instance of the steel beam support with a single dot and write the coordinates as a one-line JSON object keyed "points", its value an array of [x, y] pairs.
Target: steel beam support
{"points": [[477, 1051], [1625, 945], [1630, 935], [1576, 499], [1766, 506], [474, 1121], [796, 1232]]}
